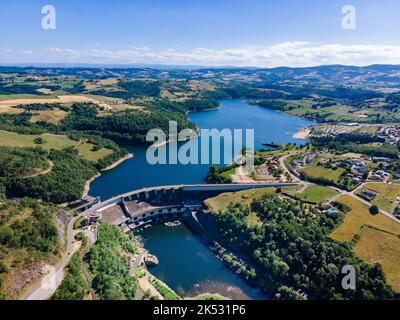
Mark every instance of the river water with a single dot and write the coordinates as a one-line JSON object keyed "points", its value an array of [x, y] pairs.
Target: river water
{"points": [[186, 265]]}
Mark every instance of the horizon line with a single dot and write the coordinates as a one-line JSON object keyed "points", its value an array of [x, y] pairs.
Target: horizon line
{"points": [[169, 66]]}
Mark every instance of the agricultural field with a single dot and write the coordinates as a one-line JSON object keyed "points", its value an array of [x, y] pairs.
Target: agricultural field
{"points": [[304, 108], [336, 129], [326, 108], [16, 100], [388, 194], [7, 98], [316, 171], [359, 216], [9, 105], [375, 246], [245, 197], [50, 116], [52, 141], [316, 194]]}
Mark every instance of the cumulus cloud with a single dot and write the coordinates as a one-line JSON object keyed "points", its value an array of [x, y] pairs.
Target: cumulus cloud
{"points": [[293, 54]]}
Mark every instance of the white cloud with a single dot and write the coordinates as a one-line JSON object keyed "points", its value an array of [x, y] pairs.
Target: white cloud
{"points": [[293, 54]]}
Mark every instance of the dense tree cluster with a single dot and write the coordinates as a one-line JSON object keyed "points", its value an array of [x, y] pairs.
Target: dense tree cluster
{"points": [[27, 235], [64, 183], [360, 143], [20, 162], [42, 106], [74, 286], [292, 248], [167, 293], [127, 127], [130, 89], [216, 175], [109, 263], [34, 232], [78, 87], [348, 93], [19, 89], [271, 104]]}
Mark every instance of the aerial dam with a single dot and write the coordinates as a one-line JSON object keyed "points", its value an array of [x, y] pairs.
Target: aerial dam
{"points": [[156, 204]]}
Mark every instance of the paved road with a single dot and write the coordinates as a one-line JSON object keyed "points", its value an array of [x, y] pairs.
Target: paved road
{"points": [[135, 262], [353, 194], [341, 192], [44, 289], [49, 283], [51, 165], [283, 165], [89, 279]]}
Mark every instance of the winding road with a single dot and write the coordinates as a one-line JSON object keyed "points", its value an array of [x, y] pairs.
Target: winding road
{"points": [[46, 287], [41, 173], [49, 283], [341, 191]]}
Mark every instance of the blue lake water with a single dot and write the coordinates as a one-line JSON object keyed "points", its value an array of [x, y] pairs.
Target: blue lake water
{"points": [[189, 268], [186, 265], [136, 173]]}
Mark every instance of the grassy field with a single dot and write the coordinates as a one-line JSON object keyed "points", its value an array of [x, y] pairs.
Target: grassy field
{"points": [[375, 246], [52, 141], [85, 150], [107, 105], [50, 116], [315, 171], [338, 112], [357, 217], [252, 220], [222, 201], [383, 203], [227, 174], [4, 97], [389, 191], [316, 194], [387, 194]]}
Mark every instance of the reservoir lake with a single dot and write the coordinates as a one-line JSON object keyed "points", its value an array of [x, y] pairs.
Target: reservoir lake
{"points": [[186, 265]]}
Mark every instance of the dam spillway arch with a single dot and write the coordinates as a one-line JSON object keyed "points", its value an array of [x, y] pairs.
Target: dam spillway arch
{"points": [[138, 207]]}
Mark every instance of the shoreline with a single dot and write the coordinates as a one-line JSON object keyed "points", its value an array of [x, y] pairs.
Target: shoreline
{"points": [[204, 110], [207, 239], [302, 134], [165, 142], [86, 189], [118, 162], [87, 185]]}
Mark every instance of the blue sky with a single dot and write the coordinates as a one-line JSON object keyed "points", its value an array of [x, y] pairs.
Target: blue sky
{"points": [[220, 32]]}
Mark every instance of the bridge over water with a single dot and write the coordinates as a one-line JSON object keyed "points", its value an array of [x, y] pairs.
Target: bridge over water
{"points": [[172, 201]]}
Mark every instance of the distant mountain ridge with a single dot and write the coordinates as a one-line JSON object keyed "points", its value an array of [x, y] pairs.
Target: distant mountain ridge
{"points": [[376, 67], [369, 77]]}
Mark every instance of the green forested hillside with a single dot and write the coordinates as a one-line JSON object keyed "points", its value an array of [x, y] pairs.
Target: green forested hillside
{"points": [[109, 264], [292, 247], [65, 182], [28, 238]]}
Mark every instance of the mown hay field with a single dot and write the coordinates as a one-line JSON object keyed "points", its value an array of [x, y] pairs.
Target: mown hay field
{"points": [[375, 246], [52, 141], [359, 216]]}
